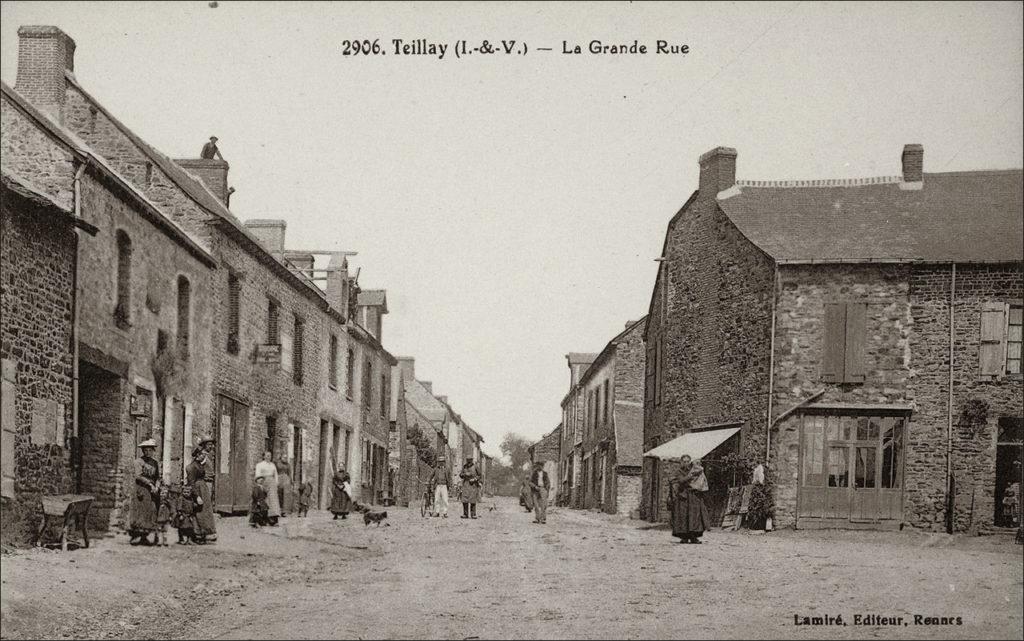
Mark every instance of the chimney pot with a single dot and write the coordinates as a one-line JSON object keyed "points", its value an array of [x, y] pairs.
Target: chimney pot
{"points": [[913, 163], [717, 170], [270, 232], [44, 54]]}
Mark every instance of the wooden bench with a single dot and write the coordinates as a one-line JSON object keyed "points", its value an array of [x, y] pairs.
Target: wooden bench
{"points": [[67, 507]]}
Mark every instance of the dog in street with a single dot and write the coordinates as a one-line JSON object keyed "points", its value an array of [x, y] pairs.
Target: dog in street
{"points": [[375, 517]]}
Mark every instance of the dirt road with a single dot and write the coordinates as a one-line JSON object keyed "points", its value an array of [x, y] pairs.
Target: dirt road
{"points": [[501, 576]]}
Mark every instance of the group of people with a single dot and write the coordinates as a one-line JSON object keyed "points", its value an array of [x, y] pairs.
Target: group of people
{"points": [[469, 490], [274, 495], [157, 505]]}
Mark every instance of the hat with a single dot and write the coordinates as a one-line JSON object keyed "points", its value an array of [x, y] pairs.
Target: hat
{"points": [[469, 459], [213, 138], [197, 450], [148, 443], [206, 439]]}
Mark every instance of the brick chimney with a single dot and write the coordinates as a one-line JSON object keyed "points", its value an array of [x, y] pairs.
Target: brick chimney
{"points": [[44, 54], [371, 305], [717, 171], [407, 366], [913, 163], [337, 287], [270, 232], [213, 173]]}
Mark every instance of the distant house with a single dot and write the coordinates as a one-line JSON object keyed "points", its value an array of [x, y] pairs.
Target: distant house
{"points": [[571, 450], [861, 337], [612, 388]]}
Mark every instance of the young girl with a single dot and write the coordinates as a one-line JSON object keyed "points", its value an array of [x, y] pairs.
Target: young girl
{"points": [[305, 495], [258, 511], [184, 519], [165, 513]]}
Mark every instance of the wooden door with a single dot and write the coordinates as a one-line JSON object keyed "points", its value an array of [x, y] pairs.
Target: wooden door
{"points": [[241, 470], [233, 477], [655, 490], [179, 453]]}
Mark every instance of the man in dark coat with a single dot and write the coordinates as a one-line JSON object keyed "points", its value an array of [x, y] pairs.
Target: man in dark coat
{"points": [[470, 493], [210, 151], [540, 485]]}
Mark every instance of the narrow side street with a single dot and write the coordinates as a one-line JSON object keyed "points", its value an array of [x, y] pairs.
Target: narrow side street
{"points": [[501, 576]]}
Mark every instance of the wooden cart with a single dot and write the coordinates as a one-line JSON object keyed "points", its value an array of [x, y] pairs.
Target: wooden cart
{"points": [[68, 507]]}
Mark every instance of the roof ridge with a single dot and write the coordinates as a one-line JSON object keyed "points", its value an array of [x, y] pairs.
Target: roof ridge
{"points": [[824, 182]]}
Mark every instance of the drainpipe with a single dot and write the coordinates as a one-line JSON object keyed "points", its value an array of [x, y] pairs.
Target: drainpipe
{"points": [[771, 370], [950, 499], [77, 187]]}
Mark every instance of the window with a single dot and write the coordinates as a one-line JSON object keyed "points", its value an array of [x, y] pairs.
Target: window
{"points": [[383, 396], [297, 338], [649, 374], [1000, 348], [1013, 340], [268, 442], [122, 312], [161, 341], [333, 371], [287, 344], [273, 322], [607, 400], [184, 304], [659, 373], [367, 384], [843, 358], [234, 315], [350, 374]]}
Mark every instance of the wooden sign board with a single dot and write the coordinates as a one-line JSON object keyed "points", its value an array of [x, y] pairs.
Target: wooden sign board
{"points": [[268, 354], [737, 505]]}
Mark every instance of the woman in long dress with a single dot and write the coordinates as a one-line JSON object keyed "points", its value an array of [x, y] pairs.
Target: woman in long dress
{"points": [[341, 495], [266, 470], [205, 518], [144, 507], [689, 514], [195, 478], [285, 491]]}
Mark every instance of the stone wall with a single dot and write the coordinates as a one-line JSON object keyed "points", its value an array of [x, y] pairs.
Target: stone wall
{"points": [[800, 345], [37, 254], [627, 492], [973, 451], [715, 331]]}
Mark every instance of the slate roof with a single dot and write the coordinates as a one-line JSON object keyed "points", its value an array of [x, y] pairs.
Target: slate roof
{"points": [[971, 216], [629, 434]]}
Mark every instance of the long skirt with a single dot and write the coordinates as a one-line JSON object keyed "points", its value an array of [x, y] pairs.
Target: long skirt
{"points": [[205, 523], [689, 515], [340, 502], [285, 493], [273, 504], [142, 512]]}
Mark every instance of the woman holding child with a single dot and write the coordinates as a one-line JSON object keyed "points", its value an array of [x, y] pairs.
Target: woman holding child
{"points": [[267, 471], [689, 514]]}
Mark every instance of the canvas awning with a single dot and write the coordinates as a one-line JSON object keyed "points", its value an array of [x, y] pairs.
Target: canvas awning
{"points": [[696, 444]]}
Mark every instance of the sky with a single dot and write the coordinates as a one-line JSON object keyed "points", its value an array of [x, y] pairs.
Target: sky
{"points": [[513, 206]]}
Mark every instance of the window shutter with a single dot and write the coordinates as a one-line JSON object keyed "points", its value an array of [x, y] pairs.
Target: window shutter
{"points": [[649, 381], [659, 373], [992, 351], [833, 357], [856, 331]]}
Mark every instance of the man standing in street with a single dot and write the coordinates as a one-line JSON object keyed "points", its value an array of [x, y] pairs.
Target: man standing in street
{"points": [[540, 485], [440, 481]]}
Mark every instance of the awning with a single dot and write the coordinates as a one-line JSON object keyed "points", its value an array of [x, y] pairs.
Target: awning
{"points": [[696, 444]]}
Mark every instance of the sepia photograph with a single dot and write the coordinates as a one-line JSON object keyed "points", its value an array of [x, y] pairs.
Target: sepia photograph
{"points": [[511, 320]]}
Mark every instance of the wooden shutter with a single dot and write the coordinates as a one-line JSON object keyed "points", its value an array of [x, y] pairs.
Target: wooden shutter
{"points": [[649, 382], [992, 351], [234, 305], [834, 348], [659, 371], [298, 338], [856, 332]]}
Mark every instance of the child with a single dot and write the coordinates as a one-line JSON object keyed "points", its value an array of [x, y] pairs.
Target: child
{"points": [[164, 514], [305, 492], [184, 519], [258, 512]]}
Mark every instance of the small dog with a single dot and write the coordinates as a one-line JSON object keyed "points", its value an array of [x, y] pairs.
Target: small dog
{"points": [[375, 517]]}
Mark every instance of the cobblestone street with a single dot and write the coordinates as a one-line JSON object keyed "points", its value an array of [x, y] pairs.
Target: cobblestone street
{"points": [[501, 576]]}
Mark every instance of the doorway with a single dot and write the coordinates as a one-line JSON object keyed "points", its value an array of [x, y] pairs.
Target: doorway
{"points": [[97, 449], [324, 463], [851, 470], [1009, 456], [232, 489]]}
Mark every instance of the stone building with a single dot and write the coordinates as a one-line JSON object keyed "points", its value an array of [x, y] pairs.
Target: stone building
{"points": [[548, 451], [862, 337], [142, 318], [38, 258], [571, 449], [612, 388], [275, 337]]}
